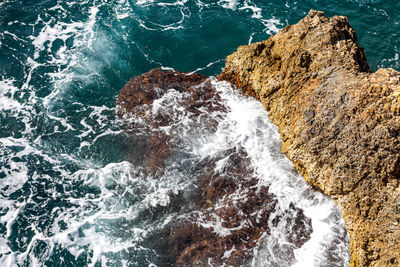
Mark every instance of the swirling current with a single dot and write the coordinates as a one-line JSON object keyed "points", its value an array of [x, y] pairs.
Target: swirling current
{"points": [[69, 193]]}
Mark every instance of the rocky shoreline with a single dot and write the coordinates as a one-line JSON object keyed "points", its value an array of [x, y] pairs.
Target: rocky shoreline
{"points": [[339, 122]]}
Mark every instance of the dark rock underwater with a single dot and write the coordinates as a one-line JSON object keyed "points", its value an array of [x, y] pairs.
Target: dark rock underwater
{"points": [[231, 195]]}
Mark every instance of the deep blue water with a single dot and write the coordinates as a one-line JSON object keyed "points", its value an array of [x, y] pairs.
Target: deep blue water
{"points": [[63, 174]]}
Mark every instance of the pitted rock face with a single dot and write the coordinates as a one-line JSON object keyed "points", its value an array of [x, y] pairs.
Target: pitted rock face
{"points": [[340, 124], [168, 108]]}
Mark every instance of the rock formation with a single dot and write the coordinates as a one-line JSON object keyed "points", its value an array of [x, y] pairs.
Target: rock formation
{"points": [[340, 124], [232, 196]]}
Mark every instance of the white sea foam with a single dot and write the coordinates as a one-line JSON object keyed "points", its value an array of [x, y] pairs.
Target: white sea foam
{"points": [[15, 165], [231, 4], [271, 25], [247, 124], [207, 66], [256, 10], [324, 217], [393, 61], [85, 220], [82, 34], [48, 34], [144, 2], [7, 92]]}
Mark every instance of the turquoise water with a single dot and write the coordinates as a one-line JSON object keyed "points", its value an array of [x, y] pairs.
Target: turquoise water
{"points": [[62, 149]]}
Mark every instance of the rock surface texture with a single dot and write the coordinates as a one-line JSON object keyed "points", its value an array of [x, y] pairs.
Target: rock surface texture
{"points": [[340, 124]]}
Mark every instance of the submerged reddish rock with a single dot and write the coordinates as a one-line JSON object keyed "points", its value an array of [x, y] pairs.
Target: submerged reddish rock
{"points": [[232, 196], [340, 124]]}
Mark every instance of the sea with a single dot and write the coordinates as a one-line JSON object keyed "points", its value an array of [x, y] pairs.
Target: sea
{"points": [[70, 193]]}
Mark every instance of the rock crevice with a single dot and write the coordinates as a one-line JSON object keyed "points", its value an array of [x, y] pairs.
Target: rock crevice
{"points": [[339, 123]]}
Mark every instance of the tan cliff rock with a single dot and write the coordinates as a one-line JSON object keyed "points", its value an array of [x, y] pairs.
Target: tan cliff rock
{"points": [[340, 124]]}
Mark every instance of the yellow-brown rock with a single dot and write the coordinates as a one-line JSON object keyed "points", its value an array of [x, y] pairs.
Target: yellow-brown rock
{"points": [[340, 124]]}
